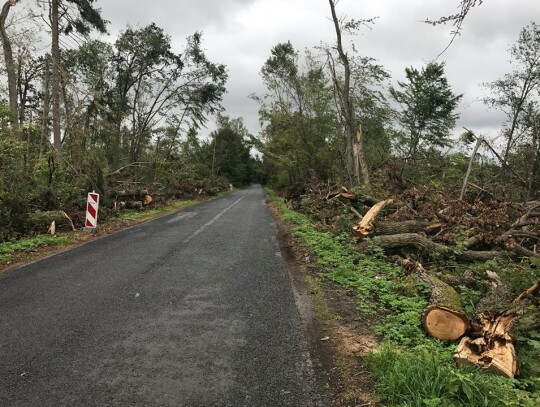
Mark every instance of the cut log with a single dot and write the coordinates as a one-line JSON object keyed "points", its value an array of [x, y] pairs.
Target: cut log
{"points": [[444, 318], [147, 200], [444, 323], [365, 226], [415, 240]]}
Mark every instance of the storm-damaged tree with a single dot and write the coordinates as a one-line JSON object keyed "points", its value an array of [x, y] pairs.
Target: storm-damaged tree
{"points": [[301, 127], [342, 82], [154, 84], [457, 19], [517, 91], [427, 109], [67, 16]]}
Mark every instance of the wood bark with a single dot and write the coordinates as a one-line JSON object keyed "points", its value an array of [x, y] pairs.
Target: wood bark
{"points": [[415, 240], [345, 102], [479, 141], [408, 226], [46, 102], [8, 59], [55, 77], [444, 318]]}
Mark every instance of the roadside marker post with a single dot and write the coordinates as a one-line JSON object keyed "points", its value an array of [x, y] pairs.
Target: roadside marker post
{"points": [[92, 206]]}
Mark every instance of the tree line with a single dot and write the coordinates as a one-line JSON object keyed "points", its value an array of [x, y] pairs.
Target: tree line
{"points": [[86, 114], [332, 113], [94, 115]]}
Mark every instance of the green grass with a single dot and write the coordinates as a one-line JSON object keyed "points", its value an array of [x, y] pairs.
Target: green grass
{"points": [[132, 215], [7, 249], [425, 376], [411, 369]]}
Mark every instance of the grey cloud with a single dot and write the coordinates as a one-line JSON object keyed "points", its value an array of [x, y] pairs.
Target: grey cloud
{"points": [[240, 33]]}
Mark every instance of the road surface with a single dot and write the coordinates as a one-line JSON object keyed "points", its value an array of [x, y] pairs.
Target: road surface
{"points": [[191, 309]]}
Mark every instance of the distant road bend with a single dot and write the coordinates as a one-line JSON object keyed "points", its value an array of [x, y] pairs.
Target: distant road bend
{"points": [[191, 309]]}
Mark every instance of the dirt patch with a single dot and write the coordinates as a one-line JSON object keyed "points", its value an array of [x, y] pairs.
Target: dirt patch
{"points": [[338, 334]]}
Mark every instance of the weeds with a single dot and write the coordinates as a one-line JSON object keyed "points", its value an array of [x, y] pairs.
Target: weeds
{"points": [[411, 369], [7, 249]]}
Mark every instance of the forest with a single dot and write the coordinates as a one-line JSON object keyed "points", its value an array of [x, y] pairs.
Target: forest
{"points": [[435, 230]]}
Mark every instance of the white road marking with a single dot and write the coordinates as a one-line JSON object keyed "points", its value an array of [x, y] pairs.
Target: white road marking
{"points": [[213, 219], [183, 215]]}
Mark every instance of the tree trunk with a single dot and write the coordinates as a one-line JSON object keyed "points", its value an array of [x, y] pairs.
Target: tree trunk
{"points": [[55, 77], [479, 141], [45, 117], [415, 240], [444, 318], [8, 58], [490, 344], [346, 105], [365, 226], [408, 226]]}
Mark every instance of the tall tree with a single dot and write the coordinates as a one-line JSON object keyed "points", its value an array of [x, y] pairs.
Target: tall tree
{"points": [[67, 16], [8, 58], [153, 83], [428, 104], [301, 126], [343, 88], [518, 90]]}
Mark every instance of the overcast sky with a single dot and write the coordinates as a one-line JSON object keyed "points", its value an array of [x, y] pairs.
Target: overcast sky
{"points": [[240, 34]]}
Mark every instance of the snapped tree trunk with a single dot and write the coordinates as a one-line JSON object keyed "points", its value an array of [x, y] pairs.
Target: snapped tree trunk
{"points": [[346, 104], [490, 344], [365, 226], [415, 240], [479, 141]]}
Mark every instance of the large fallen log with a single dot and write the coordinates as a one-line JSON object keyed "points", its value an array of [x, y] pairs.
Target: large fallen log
{"points": [[417, 241], [408, 226], [490, 344], [444, 317]]}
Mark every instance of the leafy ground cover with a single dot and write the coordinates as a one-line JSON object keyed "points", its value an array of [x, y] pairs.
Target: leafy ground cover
{"points": [[8, 249], [409, 368]]}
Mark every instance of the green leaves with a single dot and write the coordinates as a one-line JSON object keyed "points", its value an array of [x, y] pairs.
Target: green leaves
{"points": [[428, 105]]}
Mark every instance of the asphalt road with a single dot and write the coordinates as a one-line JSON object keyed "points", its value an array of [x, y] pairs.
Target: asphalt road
{"points": [[192, 309]]}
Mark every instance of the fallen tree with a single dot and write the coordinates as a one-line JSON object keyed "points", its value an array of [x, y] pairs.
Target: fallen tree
{"points": [[422, 243]]}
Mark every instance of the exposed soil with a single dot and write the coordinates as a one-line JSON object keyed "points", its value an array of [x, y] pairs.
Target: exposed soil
{"points": [[339, 335]]}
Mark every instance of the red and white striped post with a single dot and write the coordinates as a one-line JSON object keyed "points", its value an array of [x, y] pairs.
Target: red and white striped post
{"points": [[92, 205]]}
